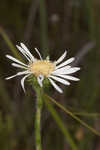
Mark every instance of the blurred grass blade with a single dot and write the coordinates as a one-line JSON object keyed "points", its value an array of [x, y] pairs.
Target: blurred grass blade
{"points": [[44, 28], [92, 115], [73, 116], [84, 114], [10, 44], [4, 96], [3, 91], [60, 124]]}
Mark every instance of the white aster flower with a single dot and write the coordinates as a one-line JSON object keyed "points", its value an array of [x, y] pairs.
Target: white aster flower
{"points": [[44, 68]]}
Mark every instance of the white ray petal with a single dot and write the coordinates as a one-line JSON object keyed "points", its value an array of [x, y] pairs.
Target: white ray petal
{"points": [[16, 60], [38, 53], [72, 78], [27, 51], [68, 77], [19, 66], [55, 86], [22, 81], [24, 53], [72, 70], [18, 74], [61, 70], [60, 80], [66, 70], [11, 77], [61, 58], [48, 58], [40, 79], [66, 62]]}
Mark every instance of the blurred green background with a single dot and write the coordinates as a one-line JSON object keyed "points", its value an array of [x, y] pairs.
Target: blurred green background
{"points": [[51, 26]]}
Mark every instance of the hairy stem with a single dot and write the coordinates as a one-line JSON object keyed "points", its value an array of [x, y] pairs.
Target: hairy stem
{"points": [[38, 120]]}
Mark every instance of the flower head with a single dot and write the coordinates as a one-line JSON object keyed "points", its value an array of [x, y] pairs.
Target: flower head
{"points": [[44, 68]]}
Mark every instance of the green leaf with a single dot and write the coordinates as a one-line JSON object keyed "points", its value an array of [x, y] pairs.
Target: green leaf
{"points": [[60, 123]]}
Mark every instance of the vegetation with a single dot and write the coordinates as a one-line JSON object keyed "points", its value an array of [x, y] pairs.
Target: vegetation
{"points": [[51, 26]]}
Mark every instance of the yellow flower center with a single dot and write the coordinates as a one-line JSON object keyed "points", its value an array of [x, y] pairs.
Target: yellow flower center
{"points": [[43, 67]]}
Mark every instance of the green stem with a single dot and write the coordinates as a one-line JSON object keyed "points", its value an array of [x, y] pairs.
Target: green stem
{"points": [[38, 119]]}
